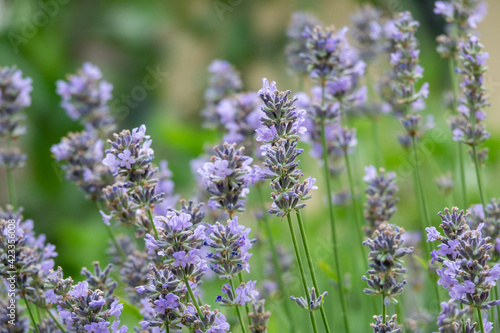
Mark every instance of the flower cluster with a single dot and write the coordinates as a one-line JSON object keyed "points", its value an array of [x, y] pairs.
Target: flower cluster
{"points": [[385, 326], [231, 245], [280, 131], [224, 81], [461, 16], [297, 42], [368, 32], [386, 264], [243, 294], [406, 72], [259, 317], [240, 115], [84, 307], [82, 154], [14, 97], [129, 159], [451, 316], [381, 196], [464, 254], [489, 216], [468, 126], [227, 177], [315, 303], [85, 97]]}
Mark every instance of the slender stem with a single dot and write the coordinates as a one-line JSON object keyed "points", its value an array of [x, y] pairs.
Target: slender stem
{"points": [[376, 144], [275, 260], [336, 256], [195, 303], [10, 179], [240, 276], [152, 222], [56, 321], [355, 206], [454, 86], [478, 176], [301, 270], [383, 308], [240, 318], [31, 314], [480, 319], [423, 203], [495, 290], [168, 327], [311, 266], [115, 243]]}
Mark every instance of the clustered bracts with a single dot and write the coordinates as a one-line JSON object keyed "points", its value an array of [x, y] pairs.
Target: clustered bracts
{"points": [[243, 294], [464, 254], [386, 264], [230, 245], [85, 97], [240, 115], [462, 16], [100, 280], [451, 317], [468, 126], [134, 191], [280, 131], [368, 32], [224, 81], [14, 97], [335, 65], [259, 317], [297, 42], [81, 155], [83, 307], [179, 245], [227, 177], [490, 218], [315, 303], [385, 326], [381, 196]]}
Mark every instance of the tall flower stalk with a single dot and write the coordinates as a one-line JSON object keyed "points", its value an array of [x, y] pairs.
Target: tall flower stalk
{"points": [[280, 132], [462, 16]]}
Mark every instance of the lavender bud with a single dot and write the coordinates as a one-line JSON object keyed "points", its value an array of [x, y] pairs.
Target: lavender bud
{"points": [[385, 326]]}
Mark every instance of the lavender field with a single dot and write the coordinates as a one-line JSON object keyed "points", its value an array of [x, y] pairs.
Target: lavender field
{"points": [[237, 166]]}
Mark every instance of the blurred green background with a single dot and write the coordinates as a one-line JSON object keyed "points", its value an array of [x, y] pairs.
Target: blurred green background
{"points": [[126, 39]]}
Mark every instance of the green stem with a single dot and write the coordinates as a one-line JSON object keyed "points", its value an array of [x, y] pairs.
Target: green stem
{"points": [[480, 319], [275, 260], [115, 243], [152, 222], [355, 206], [31, 314], [305, 243], [10, 179], [478, 176], [168, 327], [301, 270], [56, 321], [383, 308], [240, 318], [195, 303], [495, 290], [377, 150], [420, 193], [455, 88], [240, 276], [336, 256]]}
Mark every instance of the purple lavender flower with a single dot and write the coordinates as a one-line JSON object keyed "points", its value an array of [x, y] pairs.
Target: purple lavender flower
{"points": [[14, 97], [315, 303], [297, 43], [231, 245], [259, 317], [385, 325], [227, 177], [386, 264], [224, 81], [243, 294], [368, 32], [468, 126], [464, 255], [85, 97], [450, 318], [280, 150], [381, 194]]}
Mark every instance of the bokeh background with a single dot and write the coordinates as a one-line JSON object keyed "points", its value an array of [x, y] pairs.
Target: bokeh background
{"points": [[127, 39]]}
